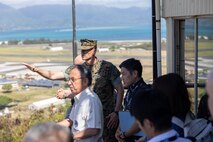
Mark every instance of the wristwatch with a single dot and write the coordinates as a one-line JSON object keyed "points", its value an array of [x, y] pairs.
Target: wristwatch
{"points": [[124, 135], [116, 112]]}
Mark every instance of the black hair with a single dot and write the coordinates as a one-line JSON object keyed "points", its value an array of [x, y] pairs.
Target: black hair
{"points": [[132, 65], [152, 105], [174, 87], [203, 110]]}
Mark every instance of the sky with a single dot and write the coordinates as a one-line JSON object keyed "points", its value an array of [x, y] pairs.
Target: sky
{"points": [[110, 3]]}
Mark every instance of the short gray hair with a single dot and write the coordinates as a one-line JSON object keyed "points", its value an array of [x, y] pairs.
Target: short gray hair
{"points": [[47, 132]]}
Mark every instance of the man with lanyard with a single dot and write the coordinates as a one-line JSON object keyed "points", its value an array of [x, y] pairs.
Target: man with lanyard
{"points": [[131, 71]]}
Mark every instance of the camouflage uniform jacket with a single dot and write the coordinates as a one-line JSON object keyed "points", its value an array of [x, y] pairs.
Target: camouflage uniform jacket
{"points": [[104, 74]]}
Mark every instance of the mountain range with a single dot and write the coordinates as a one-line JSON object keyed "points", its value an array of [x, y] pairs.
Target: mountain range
{"points": [[60, 16]]}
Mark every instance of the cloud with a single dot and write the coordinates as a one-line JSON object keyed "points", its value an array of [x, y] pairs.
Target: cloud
{"points": [[110, 3], [24, 3]]}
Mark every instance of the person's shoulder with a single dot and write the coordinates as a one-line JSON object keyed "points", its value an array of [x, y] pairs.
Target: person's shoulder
{"points": [[208, 138], [91, 94], [179, 139], [93, 97], [106, 65], [104, 62], [144, 86]]}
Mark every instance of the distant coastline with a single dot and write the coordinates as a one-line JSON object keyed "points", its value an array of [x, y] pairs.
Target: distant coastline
{"points": [[99, 33]]}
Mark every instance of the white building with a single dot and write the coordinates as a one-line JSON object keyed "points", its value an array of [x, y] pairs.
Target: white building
{"points": [[6, 42], [46, 103], [59, 48], [103, 49]]}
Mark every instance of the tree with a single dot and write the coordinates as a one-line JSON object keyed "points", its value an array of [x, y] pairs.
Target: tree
{"points": [[7, 87]]}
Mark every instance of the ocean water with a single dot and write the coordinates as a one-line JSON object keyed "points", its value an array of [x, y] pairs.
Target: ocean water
{"points": [[100, 33]]}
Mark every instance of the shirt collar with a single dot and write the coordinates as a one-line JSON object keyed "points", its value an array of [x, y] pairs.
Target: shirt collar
{"points": [[132, 86], [164, 136], [81, 95]]}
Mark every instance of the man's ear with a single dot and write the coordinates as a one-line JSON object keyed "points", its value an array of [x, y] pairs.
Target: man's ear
{"points": [[95, 50], [148, 123], [85, 81], [149, 128], [135, 73]]}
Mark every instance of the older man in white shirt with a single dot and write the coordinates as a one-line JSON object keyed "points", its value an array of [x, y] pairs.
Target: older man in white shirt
{"points": [[86, 117]]}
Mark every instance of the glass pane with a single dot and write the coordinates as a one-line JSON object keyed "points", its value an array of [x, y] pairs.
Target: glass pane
{"points": [[205, 52], [189, 50], [205, 48]]}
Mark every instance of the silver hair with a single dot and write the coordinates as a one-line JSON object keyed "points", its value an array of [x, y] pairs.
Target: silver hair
{"points": [[47, 132]]}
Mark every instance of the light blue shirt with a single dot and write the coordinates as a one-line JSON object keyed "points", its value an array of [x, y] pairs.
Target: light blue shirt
{"points": [[165, 137]]}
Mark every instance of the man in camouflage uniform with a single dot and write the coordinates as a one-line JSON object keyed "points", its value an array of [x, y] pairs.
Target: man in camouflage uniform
{"points": [[106, 79]]}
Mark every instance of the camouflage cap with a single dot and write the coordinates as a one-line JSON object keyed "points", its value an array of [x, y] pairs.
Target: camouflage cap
{"points": [[68, 70], [87, 44]]}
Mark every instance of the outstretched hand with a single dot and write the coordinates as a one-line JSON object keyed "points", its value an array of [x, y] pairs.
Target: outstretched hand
{"points": [[29, 66]]}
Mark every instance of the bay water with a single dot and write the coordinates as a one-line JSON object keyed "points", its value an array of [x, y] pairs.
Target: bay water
{"points": [[98, 33]]}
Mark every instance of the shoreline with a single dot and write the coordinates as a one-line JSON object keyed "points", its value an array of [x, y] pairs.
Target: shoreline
{"points": [[126, 41], [63, 43]]}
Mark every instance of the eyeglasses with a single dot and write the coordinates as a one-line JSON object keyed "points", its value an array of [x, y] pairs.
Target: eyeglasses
{"points": [[72, 79]]}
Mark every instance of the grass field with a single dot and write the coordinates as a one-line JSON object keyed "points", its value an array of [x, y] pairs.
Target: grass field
{"points": [[22, 98], [204, 48], [26, 97], [40, 52]]}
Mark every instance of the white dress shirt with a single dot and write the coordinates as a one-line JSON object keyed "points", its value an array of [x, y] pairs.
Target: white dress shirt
{"points": [[86, 113]]}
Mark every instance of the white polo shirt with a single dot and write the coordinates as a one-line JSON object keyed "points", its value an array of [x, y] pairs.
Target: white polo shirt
{"points": [[86, 113], [169, 136]]}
